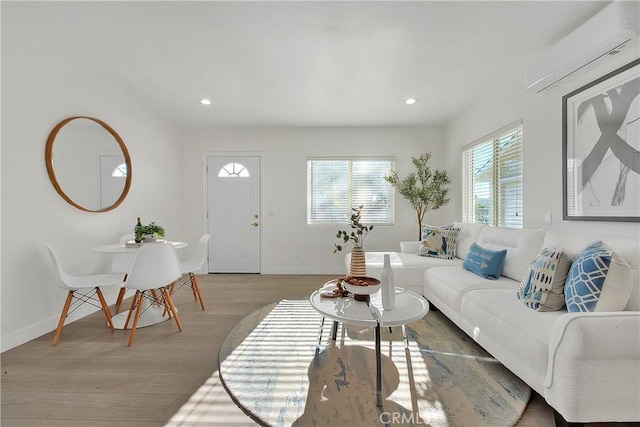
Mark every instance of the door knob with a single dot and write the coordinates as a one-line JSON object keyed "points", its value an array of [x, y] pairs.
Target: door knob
{"points": [[255, 224]]}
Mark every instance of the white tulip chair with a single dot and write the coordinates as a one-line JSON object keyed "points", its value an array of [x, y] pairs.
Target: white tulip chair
{"points": [[121, 263], [192, 265], [155, 268], [81, 290]]}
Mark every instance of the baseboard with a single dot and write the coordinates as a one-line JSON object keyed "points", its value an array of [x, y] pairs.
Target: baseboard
{"points": [[561, 422], [21, 336], [15, 338]]}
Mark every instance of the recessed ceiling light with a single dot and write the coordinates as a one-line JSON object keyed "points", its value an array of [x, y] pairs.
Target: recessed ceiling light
{"points": [[205, 101], [410, 101]]}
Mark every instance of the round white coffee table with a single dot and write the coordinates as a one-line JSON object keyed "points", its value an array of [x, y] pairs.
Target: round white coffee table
{"points": [[409, 307]]}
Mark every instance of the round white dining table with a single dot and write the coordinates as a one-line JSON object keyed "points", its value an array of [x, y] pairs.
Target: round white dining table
{"points": [[152, 314], [121, 248]]}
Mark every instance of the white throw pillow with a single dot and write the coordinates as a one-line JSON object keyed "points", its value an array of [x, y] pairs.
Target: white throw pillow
{"points": [[599, 280], [542, 287]]}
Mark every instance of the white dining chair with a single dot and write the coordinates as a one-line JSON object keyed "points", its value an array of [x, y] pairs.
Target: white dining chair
{"points": [[81, 290], [121, 263], [188, 268], [155, 268]]}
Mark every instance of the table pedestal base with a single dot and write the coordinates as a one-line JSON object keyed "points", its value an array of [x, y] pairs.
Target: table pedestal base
{"points": [[334, 334], [378, 368], [151, 315]]}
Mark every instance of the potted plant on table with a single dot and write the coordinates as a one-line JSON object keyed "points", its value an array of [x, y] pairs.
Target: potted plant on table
{"points": [[148, 233], [356, 238]]}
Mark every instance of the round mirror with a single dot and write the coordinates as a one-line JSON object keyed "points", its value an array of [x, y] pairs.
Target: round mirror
{"points": [[88, 164]]}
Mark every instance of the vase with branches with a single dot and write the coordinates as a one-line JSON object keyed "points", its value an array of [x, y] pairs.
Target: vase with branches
{"points": [[356, 238], [358, 233], [426, 189]]}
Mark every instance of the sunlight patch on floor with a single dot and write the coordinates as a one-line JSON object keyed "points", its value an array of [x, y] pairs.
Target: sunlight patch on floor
{"points": [[210, 406], [273, 348]]}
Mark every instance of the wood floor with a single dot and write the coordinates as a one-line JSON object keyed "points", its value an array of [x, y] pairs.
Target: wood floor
{"points": [[167, 378]]}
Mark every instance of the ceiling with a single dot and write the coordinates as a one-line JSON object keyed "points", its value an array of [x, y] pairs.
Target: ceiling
{"points": [[345, 63]]}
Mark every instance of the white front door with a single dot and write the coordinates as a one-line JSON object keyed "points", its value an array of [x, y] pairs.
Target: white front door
{"points": [[113, 176], [233, 209]]}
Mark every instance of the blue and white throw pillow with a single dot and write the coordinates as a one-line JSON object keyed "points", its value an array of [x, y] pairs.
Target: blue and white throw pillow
{"points": [[542, 287], [484, 262], [439, 242], [599, 280]]}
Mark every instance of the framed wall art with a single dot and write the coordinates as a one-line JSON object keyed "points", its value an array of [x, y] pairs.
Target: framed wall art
{"points": [[601, 148]]}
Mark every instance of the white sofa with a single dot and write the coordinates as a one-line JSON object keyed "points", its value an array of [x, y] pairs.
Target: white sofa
{"points": [[409, 268], [585, 365]]}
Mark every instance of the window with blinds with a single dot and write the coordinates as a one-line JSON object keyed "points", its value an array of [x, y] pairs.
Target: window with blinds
{"points": [[334, 186], [492, 179]]}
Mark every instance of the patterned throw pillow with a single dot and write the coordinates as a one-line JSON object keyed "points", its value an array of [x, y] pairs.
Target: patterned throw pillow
{"points": [[542, 287], [485, 263], [426, 229], [599, 280], [439, 242]]}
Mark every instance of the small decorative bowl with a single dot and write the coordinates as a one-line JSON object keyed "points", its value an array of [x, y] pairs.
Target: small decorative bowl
{"points": [[365, 286]]}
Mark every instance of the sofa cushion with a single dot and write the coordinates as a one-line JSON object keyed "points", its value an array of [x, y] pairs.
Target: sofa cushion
{"points": [[510, 331], [439, 242], [542, 287], [469, 233], [484, 262], [522, 246], [446, 285], [599, 280], [410, 247]]}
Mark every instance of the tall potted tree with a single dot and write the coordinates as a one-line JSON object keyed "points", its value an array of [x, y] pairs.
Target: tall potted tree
{"points": [[425, 189]]}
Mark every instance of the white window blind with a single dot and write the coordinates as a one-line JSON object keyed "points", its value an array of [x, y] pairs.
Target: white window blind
{"points": [[335, 186], [492, 179]]}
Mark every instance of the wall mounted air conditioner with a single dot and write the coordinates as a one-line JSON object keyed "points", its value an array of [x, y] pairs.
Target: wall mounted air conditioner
{"points": [[603, 35]]}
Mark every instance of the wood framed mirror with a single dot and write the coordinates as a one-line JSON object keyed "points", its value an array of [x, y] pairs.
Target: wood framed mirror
{"points": [[88, 164]]}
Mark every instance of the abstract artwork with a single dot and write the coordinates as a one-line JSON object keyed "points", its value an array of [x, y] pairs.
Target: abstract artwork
{"points": [[601, 148]]}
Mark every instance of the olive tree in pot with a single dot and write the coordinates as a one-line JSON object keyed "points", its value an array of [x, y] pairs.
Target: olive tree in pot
{"points": [[425, 189]]}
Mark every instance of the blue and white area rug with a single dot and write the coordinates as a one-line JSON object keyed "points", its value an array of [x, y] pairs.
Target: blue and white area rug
{"points": [[280, 367]]}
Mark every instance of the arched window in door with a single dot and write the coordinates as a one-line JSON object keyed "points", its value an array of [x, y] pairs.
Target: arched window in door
{"points": [[233, 170], [120, 171]]}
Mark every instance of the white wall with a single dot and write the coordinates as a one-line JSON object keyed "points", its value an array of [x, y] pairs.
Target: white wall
{"points": [[40, 89], [289, 244], [542, 133]]}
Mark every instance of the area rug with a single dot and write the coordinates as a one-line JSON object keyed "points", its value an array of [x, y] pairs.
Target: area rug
{"points": [[279, 365]]}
